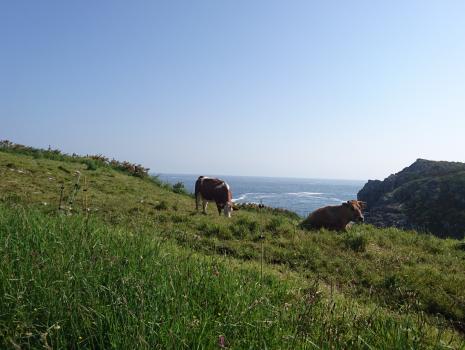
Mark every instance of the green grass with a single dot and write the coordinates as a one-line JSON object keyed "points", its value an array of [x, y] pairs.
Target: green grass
{"points": [[140, 268], [69, 282]]}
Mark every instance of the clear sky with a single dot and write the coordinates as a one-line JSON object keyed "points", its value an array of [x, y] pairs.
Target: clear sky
{"points": [[327, 89]]}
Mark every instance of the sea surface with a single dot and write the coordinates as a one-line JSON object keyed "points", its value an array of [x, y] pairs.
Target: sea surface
{"points": [[299, 195]]}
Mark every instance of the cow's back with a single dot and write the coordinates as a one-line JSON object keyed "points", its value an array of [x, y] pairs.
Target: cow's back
{"points": [[212, 189], [326, 217]]}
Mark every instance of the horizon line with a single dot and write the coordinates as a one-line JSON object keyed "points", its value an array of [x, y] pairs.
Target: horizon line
{"points": [[260, 176]]}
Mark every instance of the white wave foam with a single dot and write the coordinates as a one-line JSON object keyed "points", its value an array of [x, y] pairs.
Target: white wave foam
{"points": [[240, 198], [304, 194], [255, 196]]}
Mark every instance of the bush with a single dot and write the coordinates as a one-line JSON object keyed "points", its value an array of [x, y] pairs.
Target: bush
{"points": [[91, 164], [254, 207], [92, 161], [178, 187]]}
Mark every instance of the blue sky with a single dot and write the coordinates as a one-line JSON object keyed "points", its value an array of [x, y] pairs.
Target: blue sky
{"points": [[327, 89]]}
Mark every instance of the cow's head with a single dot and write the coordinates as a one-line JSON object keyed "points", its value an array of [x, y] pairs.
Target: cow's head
{"points": [[355, 210], [227, 208]]}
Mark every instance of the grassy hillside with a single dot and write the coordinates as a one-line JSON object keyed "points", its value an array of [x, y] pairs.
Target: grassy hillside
{"points": [[128, 262]]}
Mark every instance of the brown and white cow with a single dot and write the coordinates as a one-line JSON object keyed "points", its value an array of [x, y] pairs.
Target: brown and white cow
{"points": [[209, 189], [335, 217]]}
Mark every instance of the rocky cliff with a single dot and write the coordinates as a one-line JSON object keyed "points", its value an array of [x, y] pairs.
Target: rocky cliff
{"points": [[426, 196]]}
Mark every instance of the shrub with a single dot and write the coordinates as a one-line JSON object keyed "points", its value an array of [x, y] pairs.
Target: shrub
{"points": [[100, 158], [130, 168], [91, 164], [178, 187], [92, 161], [254, 207]]}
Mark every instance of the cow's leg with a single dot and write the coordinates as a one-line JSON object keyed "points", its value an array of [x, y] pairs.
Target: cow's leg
{"points": [[342, 226], [204, 206], [197, 202]]}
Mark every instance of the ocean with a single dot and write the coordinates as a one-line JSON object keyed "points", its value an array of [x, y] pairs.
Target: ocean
{"points": [[299, 195]]}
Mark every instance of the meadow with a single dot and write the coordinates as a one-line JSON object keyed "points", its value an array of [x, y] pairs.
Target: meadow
{"points": [[96, 256]]}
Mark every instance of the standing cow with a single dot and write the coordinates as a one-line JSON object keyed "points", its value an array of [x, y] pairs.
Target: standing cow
{"points": [[335, 217], [213, 190]]}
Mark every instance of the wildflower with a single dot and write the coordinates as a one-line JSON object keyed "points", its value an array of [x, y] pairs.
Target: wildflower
{"points": [[222, 342]]}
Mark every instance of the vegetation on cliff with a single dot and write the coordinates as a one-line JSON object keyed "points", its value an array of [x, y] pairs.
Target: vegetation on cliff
{"points": [[426, 196]]}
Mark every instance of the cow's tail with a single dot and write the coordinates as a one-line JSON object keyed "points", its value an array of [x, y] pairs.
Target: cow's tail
{"points": [[197, 192]]}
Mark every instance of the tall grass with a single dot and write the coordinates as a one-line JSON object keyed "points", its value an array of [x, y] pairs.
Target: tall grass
{"points": [[70, 282]]}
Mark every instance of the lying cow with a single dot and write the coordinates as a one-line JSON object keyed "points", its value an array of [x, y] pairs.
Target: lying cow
{"points": [[213, 190], [335, 217]]}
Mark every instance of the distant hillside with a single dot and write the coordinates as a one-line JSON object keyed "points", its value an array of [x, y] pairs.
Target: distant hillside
{"points": [[427, 196]]}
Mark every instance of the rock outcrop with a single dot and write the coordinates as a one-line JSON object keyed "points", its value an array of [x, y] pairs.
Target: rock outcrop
{"points": [[427, 196]]}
